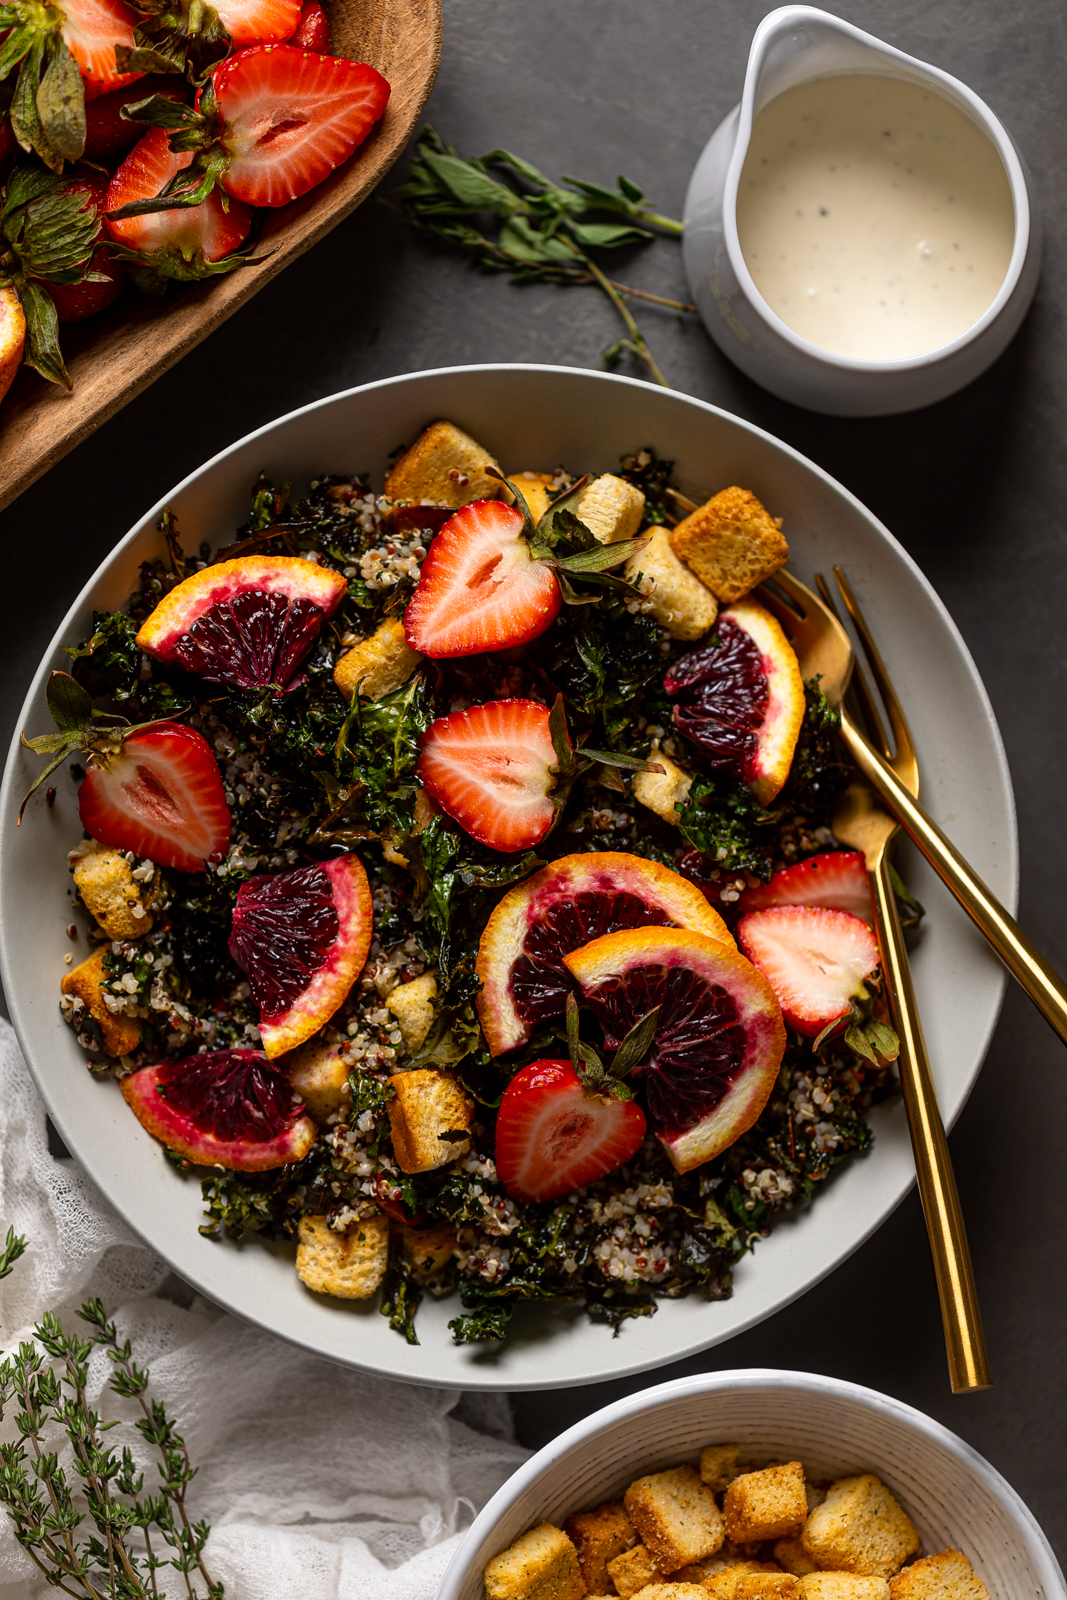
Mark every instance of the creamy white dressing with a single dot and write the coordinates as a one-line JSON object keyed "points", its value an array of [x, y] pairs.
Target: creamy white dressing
{"points": [[875, 218]]}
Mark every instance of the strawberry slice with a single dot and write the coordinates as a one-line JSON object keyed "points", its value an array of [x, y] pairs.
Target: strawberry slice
{"points": [[259, 21], [837, 880], [91, 29], [493, 769], [291, 117], [313, 29], [161, 797], [176, 243], [552, 1137], [815, 961], [480, 588]]}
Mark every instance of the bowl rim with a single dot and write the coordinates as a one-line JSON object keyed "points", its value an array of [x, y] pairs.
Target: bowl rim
{"points": [[634, 1406]]}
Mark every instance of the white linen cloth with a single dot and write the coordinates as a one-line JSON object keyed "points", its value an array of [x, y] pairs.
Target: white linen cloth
{"points": [[319, 1483]]}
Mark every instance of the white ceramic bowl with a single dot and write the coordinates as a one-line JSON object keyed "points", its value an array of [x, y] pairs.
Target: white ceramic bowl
{"points": [[954, 1497], [793, 45], [531, 417]]}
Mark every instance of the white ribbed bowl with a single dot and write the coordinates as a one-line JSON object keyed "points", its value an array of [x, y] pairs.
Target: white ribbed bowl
{"points": [[954, 1497]]}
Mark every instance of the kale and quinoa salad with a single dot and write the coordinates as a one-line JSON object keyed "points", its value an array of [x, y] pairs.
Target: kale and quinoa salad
{"points": [[420, 828]]}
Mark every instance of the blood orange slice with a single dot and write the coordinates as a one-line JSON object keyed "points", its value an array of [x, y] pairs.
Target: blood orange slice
{"points": [[719, 1037], [248, 622], [562, 907], [302, 937], [225, 1108], [741, 698]]}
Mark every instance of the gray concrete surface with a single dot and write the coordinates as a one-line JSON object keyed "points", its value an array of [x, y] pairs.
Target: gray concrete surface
{"points": [[973, 487]]}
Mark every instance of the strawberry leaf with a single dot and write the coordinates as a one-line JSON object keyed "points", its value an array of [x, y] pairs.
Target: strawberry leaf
{"points": [[25, 118], [636, 1045], [61, 103], [70, 705], [612, 758], [601, 557], [42, 334], [584, 1059]]}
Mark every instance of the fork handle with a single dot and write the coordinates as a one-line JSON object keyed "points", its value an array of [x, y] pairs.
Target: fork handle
{"points": [[1041, 981], [968, 1364]]}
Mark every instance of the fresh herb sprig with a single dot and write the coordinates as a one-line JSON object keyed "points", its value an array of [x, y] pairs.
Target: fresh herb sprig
{"points": [[543, 231]]}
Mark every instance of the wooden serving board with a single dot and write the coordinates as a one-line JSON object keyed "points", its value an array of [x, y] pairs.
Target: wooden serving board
{"points": [[111, 358]]}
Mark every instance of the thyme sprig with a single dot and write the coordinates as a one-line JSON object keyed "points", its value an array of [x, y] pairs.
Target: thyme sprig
{"points": [[43, 1388], [544, 230]]}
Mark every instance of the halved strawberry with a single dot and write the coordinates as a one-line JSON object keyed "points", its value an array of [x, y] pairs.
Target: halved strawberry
{"points": [[291, 116], [313, 29], [837, 880], [91, 29], [552, 1136], [259, 21], [176, 243], [161, 797], [493, 769], [480, 587], [815, 961]]}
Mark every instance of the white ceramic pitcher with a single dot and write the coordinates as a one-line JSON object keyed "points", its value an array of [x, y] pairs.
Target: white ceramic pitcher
{"points": [[794, 45]]}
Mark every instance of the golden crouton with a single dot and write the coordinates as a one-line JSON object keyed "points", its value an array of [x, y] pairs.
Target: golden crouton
{"points": [[444, 465], [633, 1571], [412, 1006], [319, 1075], [718, 1463], [791, 1554], [676, 1516], [106, 883], [767, 1504], [841, 1586], [731, 543], [672, 1591], [680, 602], [536, 489], [429, 1249], [751, 1580], [349, 1265], [426, 1106], [599, 1536], [542, 1565], [860, 1528], [377, 665], [946, 1576], [611, 509], [119, 1034], [663, 792]]}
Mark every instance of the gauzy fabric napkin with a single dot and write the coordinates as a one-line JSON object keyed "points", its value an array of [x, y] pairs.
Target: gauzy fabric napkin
{"points": [[319, 1483]]}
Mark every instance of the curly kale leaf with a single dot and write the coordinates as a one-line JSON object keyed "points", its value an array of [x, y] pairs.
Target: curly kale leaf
{"points": [[485, 1320], [401, 1296], [727, 825], [237, 1203], [652, 476], [378, 750], [109, 664], [610, 658], [371, 1094], [818, 772]]}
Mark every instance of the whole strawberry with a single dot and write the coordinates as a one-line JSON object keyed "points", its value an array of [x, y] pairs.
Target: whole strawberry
{"points": [[76, 301]]}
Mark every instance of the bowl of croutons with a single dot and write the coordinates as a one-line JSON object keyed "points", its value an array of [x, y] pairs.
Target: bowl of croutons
{"points": [[755, 1485]]}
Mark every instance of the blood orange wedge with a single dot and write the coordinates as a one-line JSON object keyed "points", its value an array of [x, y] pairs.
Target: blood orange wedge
{"points": [[719, 1037], [225, 1108], [741, 698], [302, 937], [562, 907], [249, 622]]}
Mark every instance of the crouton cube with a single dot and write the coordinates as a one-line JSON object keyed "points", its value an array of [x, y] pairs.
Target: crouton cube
{"points": [[378, 664], [542, 1565], [767, 1504], [731, 543], [425, 811], [106, 883], [429, 1250], [611, 509], [663, 792], [791, 1554], [444, 465], [860, 1528], [348, 1265], [672, 1590], [319, 1075], [412, 1006], [679, 601], [633, 1571], [718, 1463], [841, 1586], [119, 1034], [599, 1536], [751, 1580], [536, 489], [946, 1576], [428, 1106], [676, 1516]]}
